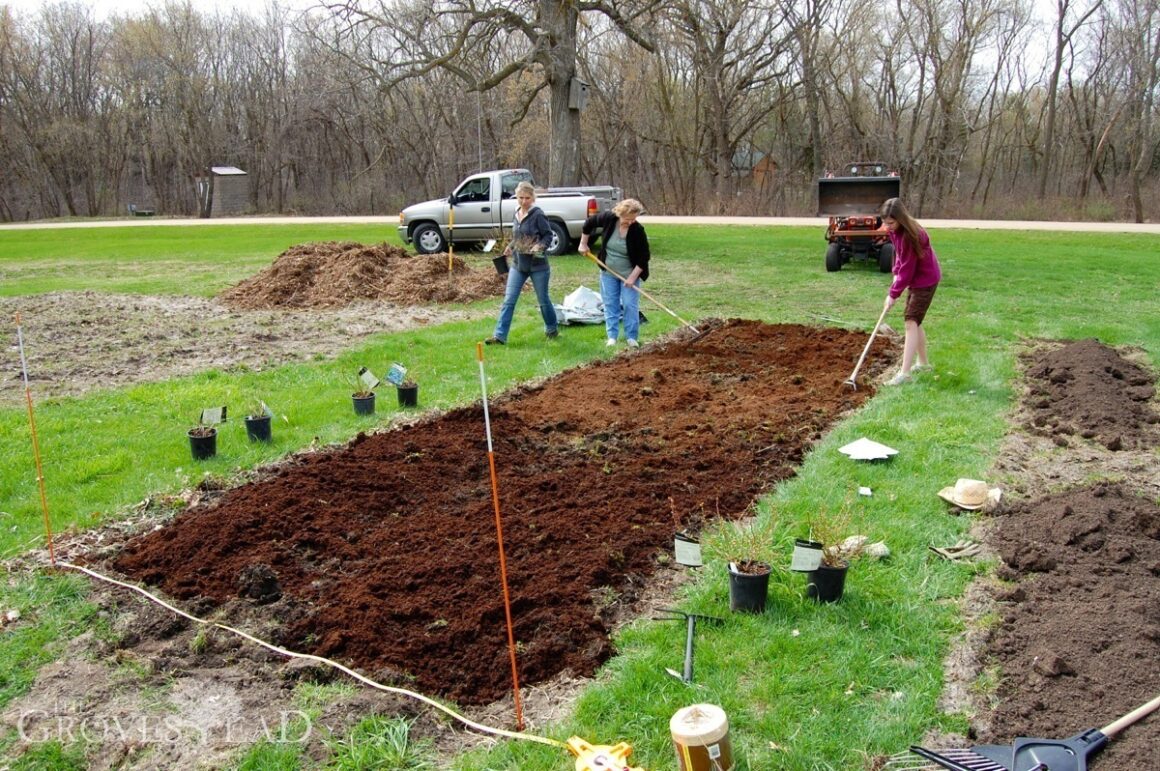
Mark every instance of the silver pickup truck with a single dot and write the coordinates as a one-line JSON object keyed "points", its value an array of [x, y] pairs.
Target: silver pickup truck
{"points": [[485, 203]]}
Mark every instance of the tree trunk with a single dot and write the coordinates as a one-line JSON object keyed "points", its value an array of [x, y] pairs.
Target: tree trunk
{"points": [[561, 19]]}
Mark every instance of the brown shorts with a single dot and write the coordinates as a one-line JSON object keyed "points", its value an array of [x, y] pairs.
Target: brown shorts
{"points": [[917, 301]]}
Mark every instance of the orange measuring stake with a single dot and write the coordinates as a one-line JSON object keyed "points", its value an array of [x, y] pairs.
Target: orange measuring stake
{"points": [[507, 603]]}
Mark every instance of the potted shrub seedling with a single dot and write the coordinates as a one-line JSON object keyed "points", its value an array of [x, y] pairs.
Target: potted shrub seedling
{"points": [[827, 582], [747, 550], [363, 395], [203, 436], [258, 419], [496, 244], [406, 385]]}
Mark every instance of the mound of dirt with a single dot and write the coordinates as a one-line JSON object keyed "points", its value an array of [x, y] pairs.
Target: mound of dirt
{"points": [[1085, 388], [332, 274], [1080, 636], [384, 553]]}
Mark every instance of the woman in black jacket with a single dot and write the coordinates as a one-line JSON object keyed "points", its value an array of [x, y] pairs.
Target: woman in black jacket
{"points": [[624, 249]]}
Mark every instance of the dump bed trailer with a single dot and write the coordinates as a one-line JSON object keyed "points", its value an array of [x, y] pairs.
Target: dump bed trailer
{"points": [[852, 201]]}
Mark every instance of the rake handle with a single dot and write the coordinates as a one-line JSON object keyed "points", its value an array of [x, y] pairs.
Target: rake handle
{"points": [[657, 302], [1113, 728], [854, 375]]}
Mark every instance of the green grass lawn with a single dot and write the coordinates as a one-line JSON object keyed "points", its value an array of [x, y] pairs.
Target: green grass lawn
{"points": [[805, 686]]}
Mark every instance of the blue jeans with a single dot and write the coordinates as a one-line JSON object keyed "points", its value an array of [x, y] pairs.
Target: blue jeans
{"points": [[516, 280], [620, 302]]}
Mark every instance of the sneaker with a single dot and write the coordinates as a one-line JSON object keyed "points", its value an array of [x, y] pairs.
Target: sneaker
{"points": [[921, 368], [494, 341], [610, 342], [553, 334], [633, 344], [898, 379]]}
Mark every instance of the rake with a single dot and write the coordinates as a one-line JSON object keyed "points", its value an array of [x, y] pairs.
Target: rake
{"points": [[852, 381], [1026, 754]]}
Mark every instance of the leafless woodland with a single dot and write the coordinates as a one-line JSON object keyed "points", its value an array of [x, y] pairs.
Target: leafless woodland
{"points": [[694, 106]]}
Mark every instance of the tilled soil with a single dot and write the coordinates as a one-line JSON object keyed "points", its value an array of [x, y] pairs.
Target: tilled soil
{"points": [[384, 554], [1079, 641]]}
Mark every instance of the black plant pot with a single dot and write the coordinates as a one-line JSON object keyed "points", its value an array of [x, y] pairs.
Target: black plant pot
{"points": [[409, 395], [202, 442], [747, 590], [364, 405], [258, 428], [501, 265], [826, 584]]}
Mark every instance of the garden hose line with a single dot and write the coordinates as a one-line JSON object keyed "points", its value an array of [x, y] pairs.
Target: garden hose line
{"points": [[318, 659]]}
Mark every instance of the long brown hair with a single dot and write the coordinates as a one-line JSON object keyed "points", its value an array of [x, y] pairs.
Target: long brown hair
{"points": [[896, 210]]}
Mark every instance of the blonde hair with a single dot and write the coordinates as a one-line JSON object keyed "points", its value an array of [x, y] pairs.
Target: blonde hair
{"points": [[526, 187], [628, 206]]}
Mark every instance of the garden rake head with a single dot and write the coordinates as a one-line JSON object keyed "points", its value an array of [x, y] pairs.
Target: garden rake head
{"points": [[1026, 754], [690, 619]]}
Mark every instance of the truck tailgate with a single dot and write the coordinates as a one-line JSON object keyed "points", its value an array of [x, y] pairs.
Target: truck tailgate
{"points": [[842, 196]]}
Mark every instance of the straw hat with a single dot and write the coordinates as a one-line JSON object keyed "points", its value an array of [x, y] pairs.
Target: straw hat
{"points": [[970, 494]]}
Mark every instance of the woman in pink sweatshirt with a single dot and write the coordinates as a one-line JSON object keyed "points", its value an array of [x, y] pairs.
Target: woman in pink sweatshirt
{"points": [[915, 269]]}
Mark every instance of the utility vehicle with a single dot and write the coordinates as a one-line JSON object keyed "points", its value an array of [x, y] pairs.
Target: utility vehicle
{"points": [[852, 201]]}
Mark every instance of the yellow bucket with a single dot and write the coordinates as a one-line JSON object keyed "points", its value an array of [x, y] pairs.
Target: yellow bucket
{"points": [[701, 736]]}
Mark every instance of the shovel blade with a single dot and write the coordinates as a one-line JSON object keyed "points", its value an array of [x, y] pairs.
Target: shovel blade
{"points": [[1058, 754]]}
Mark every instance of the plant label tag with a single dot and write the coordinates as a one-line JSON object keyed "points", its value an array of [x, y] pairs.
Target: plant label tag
{"points": [[212, 416], [489, 245], [807, 556], [865, 491], [396, 373], [368, 378], [687, 551]]}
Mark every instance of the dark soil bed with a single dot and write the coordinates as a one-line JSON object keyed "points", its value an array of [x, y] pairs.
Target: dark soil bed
{"points": [[384, 554]]}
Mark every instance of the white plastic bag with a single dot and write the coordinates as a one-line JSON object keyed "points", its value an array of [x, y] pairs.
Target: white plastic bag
{"points": [[582, 306]]}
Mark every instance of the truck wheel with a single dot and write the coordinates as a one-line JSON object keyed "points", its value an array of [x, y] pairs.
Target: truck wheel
{"points": [[428, 239], [886, 258], [834, 257], [561, 242]]}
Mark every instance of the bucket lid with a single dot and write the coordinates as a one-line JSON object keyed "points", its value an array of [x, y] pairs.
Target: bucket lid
{"points": [[699, 724]]}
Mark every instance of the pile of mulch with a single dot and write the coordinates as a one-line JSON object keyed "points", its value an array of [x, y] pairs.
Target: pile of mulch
{"points": [[1086, 389], [331, 274]]}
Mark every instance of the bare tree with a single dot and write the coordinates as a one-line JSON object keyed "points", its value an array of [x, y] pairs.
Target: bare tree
{"points": [[736, 48], [1066, 26], [409, 41], [1138, 38]]}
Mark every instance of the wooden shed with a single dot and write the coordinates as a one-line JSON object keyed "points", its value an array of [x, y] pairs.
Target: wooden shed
{"points": [[231, 191], [224, 192]]}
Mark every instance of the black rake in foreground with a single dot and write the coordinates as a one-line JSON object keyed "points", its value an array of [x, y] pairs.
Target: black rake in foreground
{"points": [[1026, 754]]}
